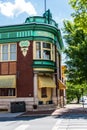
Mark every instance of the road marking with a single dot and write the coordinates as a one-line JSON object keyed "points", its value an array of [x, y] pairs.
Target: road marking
{"points": [[22, 127], [56, 126]]}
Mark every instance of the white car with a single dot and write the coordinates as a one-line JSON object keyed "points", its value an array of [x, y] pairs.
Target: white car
{"points": [[83, 100]]}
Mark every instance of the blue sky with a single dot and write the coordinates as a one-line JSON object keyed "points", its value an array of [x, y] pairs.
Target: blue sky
{"points": [[16, 11]]}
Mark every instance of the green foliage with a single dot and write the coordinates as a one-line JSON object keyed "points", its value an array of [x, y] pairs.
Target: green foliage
{"points": [[75, 91], [80, 14], [75, 35]]}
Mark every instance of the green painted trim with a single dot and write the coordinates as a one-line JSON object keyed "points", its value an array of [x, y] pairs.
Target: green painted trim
{"points": [[44, 64], [39, 19], [15, 33], [3, 41]]}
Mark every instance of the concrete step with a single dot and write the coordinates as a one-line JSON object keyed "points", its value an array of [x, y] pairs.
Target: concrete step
{"points": [[47, 107]]}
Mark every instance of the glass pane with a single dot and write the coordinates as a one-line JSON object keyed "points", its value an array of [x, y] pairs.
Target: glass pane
{"points": [[12, 56], [38, 45], [38, 50], [38, 54], [13, 48], [11, 92], [5, 49], [46, 45], [43, 93], [46, 54], [12, 51], [5, 56], [4, 52]]}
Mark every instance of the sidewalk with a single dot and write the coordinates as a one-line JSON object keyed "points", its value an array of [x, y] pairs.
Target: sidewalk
{"points": [[76, 108], [71, 108], [9, 115]]}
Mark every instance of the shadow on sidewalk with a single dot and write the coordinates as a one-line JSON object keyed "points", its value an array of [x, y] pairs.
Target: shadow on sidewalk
{"points": [[71, 111]]}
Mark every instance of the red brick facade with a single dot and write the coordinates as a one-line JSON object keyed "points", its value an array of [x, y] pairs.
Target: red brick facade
{"points": [[25, 72]]}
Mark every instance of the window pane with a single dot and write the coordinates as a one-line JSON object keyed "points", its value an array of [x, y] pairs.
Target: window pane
{"points": [[13, 48], [43, 92], [5, 56], [11, 92], [46, 54], [7, 92], [13, 56], [4, 48], [38, 50], [46, 45], [4, 52], [13, 52]]}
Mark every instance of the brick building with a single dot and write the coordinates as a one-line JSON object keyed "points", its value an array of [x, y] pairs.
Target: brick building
{"points": [[30, 63]]}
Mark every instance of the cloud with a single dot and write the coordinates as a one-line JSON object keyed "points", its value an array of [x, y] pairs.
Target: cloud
{"points": [[18, 7]]}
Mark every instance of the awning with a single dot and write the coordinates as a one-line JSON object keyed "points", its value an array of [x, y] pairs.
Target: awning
{"points": [[61, 84], [8, 81], [46, 82]]}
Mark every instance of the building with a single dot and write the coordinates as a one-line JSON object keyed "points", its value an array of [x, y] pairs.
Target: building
{"points": [[30, 63]]}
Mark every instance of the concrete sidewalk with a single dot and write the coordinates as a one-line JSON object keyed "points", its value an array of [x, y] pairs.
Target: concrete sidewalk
{"points": [[71, 108], [9, 115], [58, 111]]}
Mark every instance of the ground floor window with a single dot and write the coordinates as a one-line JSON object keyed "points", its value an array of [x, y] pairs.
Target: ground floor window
{"points": [[7, 91], [61, 92], [43, 92]]}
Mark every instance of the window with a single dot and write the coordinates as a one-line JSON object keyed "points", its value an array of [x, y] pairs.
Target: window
{"points": [[45, 51], [7, 91], [38, 50], [8, 52], [46, 45], [11, 92], [46, 54], [4, 52], [43, 92], [13, 52]]}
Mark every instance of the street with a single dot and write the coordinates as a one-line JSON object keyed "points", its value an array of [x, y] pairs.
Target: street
{"points": [[71, 118], [28, 123]]}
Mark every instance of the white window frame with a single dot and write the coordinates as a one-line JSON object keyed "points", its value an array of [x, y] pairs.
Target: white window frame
{"points": [[9, 53], [51, 49]]}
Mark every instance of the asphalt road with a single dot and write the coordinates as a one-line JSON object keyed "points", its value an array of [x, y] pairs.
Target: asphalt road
{"points": [[28, 123], [70, 119], [71, 122]]}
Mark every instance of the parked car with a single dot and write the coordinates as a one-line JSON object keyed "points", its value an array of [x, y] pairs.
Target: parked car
{"points": [[83, 99]]}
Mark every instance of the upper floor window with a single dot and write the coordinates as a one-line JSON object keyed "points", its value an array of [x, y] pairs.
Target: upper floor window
{"points": [[44, 50], [13, 52], [4, 52], [8, 52], [38, 50]]}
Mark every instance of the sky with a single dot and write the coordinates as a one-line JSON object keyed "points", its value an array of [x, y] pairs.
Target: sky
{"points": [[16, 11]]}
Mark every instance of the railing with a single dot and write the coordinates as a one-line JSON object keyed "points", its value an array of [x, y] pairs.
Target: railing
{"points": [[38, 19]]}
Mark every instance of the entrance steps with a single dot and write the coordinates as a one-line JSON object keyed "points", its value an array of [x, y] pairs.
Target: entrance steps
{"points": [[46, 107]]}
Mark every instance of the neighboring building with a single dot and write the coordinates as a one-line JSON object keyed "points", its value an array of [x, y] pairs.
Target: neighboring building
{"points": [[30, 62], [64, 68]]}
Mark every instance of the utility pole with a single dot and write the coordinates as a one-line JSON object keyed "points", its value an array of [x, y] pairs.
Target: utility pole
{"points": [[45, 5]]}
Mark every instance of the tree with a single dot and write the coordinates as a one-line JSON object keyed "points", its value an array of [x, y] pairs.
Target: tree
{"points": [[80, 14], [76, 52], [75, 35], [75, 91]]}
